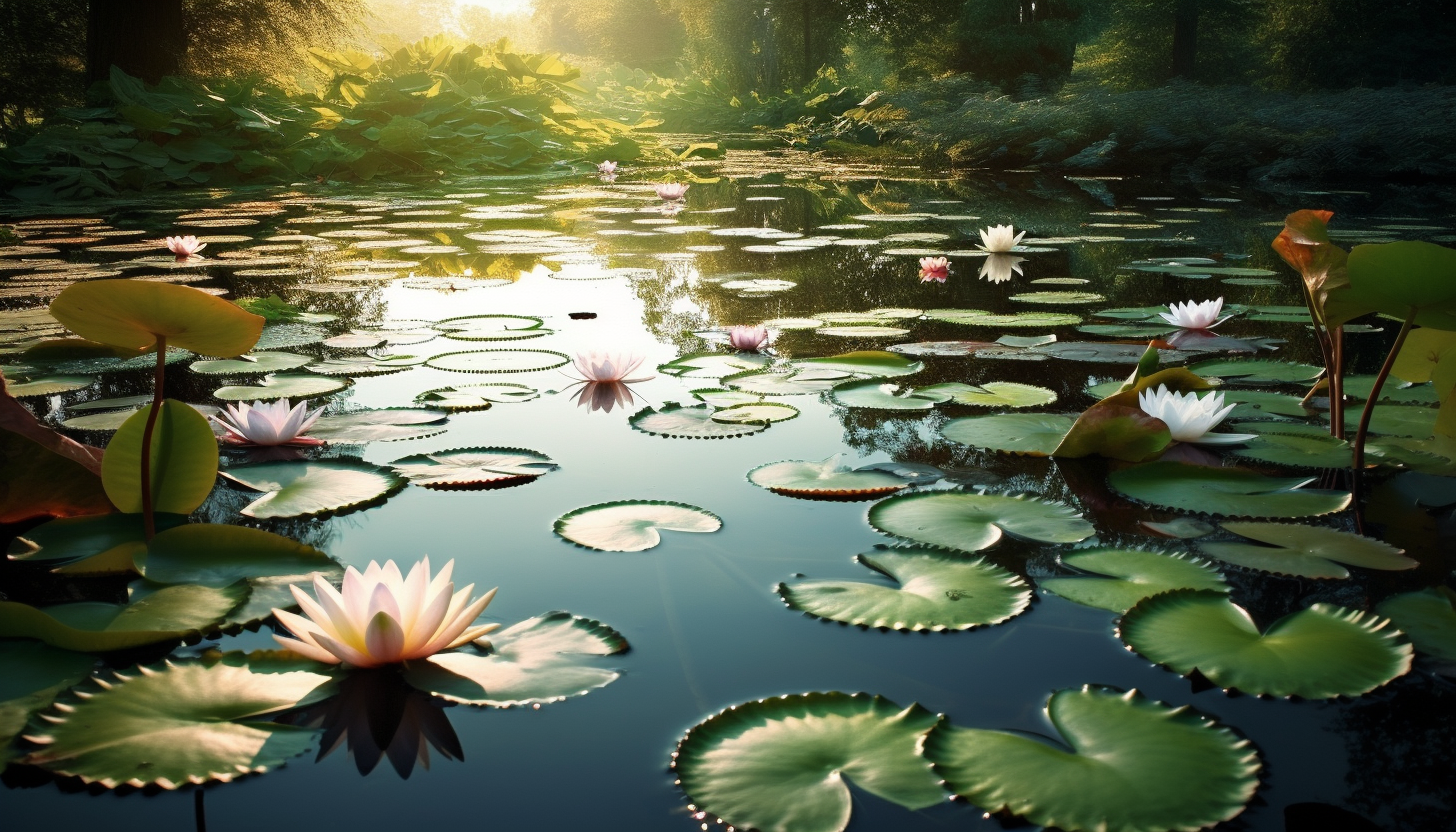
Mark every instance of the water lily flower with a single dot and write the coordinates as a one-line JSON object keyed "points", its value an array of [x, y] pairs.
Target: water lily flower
{"points": [[607, 168], [934, 268], [382, 617], [1000, 239], [608, 367], [672, 191], [1190, 315], [184, 247], [1000, 268], [748, 338], [268, 423], [1190, 418]]}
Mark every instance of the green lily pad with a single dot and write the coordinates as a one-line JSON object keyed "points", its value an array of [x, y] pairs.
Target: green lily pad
{"points": [[1257, 370], [826, 480], [258, 362], [876, 394], [34, 674], [756, 413], [132, 313], [1428, 617], [49, 385], [971, 522], [473, 468], [1130, 764], [183, 460], [190, 721], [110, 404], [1140, 331], [873, 363], [785, 764], [499, 361], [1299, 451], [1059, 297], [1036, 434], [1320, 652], [541, 660], [467, 397], [1305, 551], [284, 336], [632, 525], [1395, 420], [726, 398], [797, 383], [678, 422], [492, 327], [1131, 575], [978, 317], [356, 366], [385, 425], [1262, 404], [862, 331], [170, 614], [305, 489], [1233, 492], [1360, 387], [70, 539], [992, 394], [935, 591], [713, 364], [285, 386]]}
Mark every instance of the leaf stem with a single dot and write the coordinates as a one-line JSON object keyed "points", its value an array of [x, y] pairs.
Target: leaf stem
{"points": [[1336, 376], [1359, 442], [149, 521]]}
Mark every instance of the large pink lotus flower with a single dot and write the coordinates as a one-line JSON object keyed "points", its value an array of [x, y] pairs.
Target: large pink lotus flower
{"points": [[184, 247], [748, 338], [382, 617], [608, 366], [1190, 315], [607, 168], [672, 191], [934, 268], [268, 423]]}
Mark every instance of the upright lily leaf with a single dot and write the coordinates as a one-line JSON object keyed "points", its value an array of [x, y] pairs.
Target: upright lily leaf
{"points": [[1131, 764], [1405, 278], [169, 614], [304, 489], [194, 721], [1032, 434], [385, 425], [968, 522], [1305, 551], [183, 460], [824, 480], [1233, 492], [678, 422], [38, 482], [132, 313], [1428, 617], [936, 591], [1320, 652], [540, 660], [1305, 245], [781, 764], [474, 468], [1131, 575], [632, 525]]}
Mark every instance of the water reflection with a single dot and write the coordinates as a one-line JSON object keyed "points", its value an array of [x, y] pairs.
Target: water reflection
{"points": [[1000, 268], [604, 395]]}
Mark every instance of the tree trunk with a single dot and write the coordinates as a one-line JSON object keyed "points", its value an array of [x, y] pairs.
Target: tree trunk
{"points": [[143, 38], [1185, 38]]}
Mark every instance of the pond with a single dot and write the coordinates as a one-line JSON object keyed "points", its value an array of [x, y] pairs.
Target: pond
{"points": [[827, 255]]}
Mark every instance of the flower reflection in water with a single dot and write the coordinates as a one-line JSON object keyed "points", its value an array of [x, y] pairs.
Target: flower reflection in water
{"points": [[1000, 268], [604, 395]]}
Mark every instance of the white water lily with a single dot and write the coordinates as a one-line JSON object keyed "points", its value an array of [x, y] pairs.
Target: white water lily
{"points": [[608, 366], [1000, 268], [1000, 239], [184, 247], [382, 617], [1190, 418], [672, 191], [607, 168], [1190, 315], [268, 423]]}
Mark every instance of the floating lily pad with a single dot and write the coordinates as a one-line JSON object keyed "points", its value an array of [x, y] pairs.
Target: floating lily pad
{"points": [[678, 422], [1320, 652], [258, 362], [786, 763], [1129, 764], [1104, 353], [474, 468], [992, 394], [1305, 551], [756, 413], [632, 525], [356, 366], [170, 614], [284, 386], [305, 489], [1262, 404], [882, 395], [793, 323], [862, 331], [69, 539], [1131, 575], [492, 327], [978, 317], [935, 591], [726, 398], [797, 383], [191, 721], [541, 660], [499, 361], [1065, 298], [49, 385], [874, 363], [386, 425], [1035, 434], [1396, 420], [827, 479], [183, 460], [283, 336], [971, 522], [1297, 450], [944, 348], [713, 364], [1233, 492], [1257, 370], [34, 674], [1428, 617], [466, 397]]}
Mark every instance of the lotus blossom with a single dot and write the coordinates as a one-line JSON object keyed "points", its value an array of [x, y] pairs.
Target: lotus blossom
{"points": [[1000, 239], [184, 247], [1190, 315], [748, 338], [934, 268], [1190, 418], [607, 168], [608, 367], [268, 423], [672, 191], [382, 617], [1000, 268]]}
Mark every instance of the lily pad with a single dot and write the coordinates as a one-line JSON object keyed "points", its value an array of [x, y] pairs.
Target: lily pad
{"points": [[632, 525], [492, 327], [1130, 764], [726, 398], [825, 480], [1131, 575], [1233, 492], [968, 522], [873, 363], [797, 383], [1034, 434], [978, 317], [1320, 652], [258, 362], [678, 422], [1305, 551], [1263, 404], [467, 397], [862, 331], [305, 489], [992, 394], [1066, 298], [1257, 370], [49, 385], [474, 468], [876, 394], [132, 313], [283, 336], [170, 614], [183, 460], [935, 591], [756, 413], [34, 674], [1428, 617], [1295, 450], [285, 386], [541, 660], [499, 361], [385, 425], [69, 539], [356, 366], [785, 764], [713, 364]]}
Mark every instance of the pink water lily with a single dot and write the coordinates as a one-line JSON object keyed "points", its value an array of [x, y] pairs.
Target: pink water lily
{"points": [[184, 247], [672, 191], [1190, 315], [934, 268], [382, 617], [608, 366], [268, 423], [999, 239], [607, 168], [748, 338]]}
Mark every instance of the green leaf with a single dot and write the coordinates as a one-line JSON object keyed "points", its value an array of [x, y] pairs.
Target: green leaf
{"points": [[305, 489], [541, 660], [632, 525], [1132, 575], [1034, 434], [797, 383], [132, 313], [991, 394], [498, 361], [49, 385], [827, 480], [286, 386], [1296, 450], [1320, 652], [1115, 431], [1233, 492], [935, 591], [474, 468], [785, 764], [881, 395], [194, 721], [971, 522], [467, 397], [258, 362], [1257, 370], [70, 539], [219, 556], [1131, 764], [978, 317], [385, 425], [1428, 617], [1305, 551], [756, 413], [1064, 298], [713, 364], [492, 327], [1397, 278], [183, 460], [34, 674], [678, 422], [169, 614], [873, 363]]}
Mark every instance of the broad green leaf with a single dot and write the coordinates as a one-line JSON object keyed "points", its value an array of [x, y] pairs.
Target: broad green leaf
{"points": [[978, 317], [882, 395], [70, 539], [1296, 450], [1428, 617], [796, 383], [183, 460], [862, 331], [258, 362], [1262, 404], [286, 386], [632, 525], [499, 361], [934, 591], [133, 313], [1129, 764], [304, 489], [1131, 575], [169, 614], [1117, 432], [678, 422], [1395, 420], [48, 385], [474, 468], [220, 556], [466, 397], [1305, 551], [34, 674], [874, 363], [991, 394], [1319, 652], [824, 480], [1399, 278], [1060, 298], [971, 522], [1424, 350], [1233, 492], [1257, 370], [385, 425], [713, 364], [1034, 434], [786, 764], [756, 413]]}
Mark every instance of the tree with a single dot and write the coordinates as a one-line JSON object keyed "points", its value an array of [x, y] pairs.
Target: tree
{"points": [[1021, 45], [40, 67], [144, 38]]}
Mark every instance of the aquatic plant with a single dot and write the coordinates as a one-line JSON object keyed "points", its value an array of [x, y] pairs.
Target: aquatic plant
{"points": [[1190, 417], [672, 191], [268, 423], [1190, 315], [748, 338], [184, 247], [608, 366], [934, 268], [999, 239]]}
